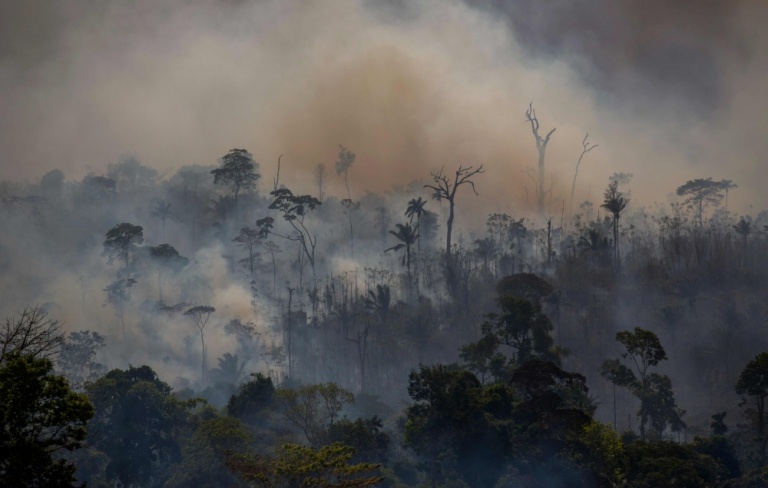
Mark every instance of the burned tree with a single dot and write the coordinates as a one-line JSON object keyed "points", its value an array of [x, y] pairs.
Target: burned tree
{"points": [[446, 189], [541, 147]]}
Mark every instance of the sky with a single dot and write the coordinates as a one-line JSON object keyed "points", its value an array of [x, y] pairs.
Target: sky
{"points": [[670, 91]]}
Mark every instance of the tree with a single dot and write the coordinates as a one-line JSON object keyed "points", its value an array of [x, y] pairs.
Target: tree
{"points": [[407, 236], [252, 398], [744, 227], [319, 180], [76, 359], [541, 147], [521, 327], [446, 189], [416, 209], [294, 209], [349, 208], [657, 402], [40, 417], [161, 210], [237, 171], [137, 424], [118, 295], [701, 193], [345, 161], [249, 239], [167, 259], [753, 385], [615, 202], [586, 147], [313, 409], [31, 333], [122, 240], [305, 467], [200, 315]]}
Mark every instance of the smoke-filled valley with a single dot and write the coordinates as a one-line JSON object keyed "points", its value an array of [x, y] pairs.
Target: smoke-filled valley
{"points": [[451, 243]]}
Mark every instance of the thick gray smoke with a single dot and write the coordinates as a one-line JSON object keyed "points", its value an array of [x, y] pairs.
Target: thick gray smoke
{"points": [[669, 91]]}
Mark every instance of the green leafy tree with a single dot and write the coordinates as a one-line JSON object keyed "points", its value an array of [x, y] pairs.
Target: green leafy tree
{"points": [[40, 418], [137, 424], [204, 453], [252, 399], [295, 466], [753, 388]]}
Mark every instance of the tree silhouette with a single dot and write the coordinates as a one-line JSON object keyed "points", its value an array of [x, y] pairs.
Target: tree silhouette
{"points": [[586, 147], [407, 236], [168, 259], [294, 209], [345, 161], [199, 316], [701, 193], [238, 171], [161, 210], [541, 147], [122, 240], [753, 384], [446, 189], [657, 402], [249, 239], [615, 202]]}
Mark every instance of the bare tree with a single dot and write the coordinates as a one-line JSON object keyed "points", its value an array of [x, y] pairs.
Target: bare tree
{"points": [[446, 189], [586, 147], [200, 315], [541, 146], [31, 333]]}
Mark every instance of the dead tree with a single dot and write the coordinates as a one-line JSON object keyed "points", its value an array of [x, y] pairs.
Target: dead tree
{"points": [[541, 146], [444, 188], [586, 147]]}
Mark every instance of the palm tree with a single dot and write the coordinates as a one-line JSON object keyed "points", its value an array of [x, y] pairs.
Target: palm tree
{"points": [[407, 236], [416, 209], [615, 202]]}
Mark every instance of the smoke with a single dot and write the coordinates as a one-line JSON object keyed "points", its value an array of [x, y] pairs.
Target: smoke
{"points": [[672, 89]]}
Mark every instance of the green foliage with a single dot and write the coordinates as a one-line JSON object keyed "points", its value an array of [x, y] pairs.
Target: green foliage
{"points": [[40, 418], [203, 454], [753, 384], [313, 409], [366, 436], [295, 466], [657, 401], [136, 424], [252, 398], [521, 326], [670, 465]]}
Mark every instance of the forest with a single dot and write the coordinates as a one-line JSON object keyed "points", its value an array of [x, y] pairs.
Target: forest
{"points": [[208, 328], [353, 243]]}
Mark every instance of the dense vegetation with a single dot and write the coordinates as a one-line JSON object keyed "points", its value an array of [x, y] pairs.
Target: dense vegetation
{"points": [[286, 339]]}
